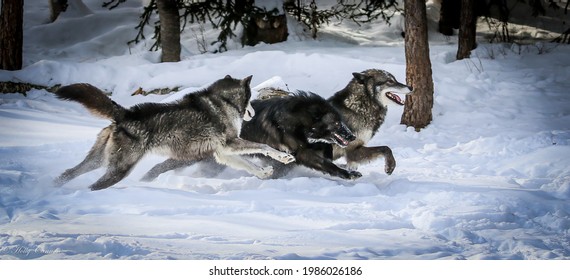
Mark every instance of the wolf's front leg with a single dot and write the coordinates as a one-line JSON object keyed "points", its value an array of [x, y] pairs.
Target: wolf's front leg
{"points": [[278, 155], [237, 162], [164, 166], [240, 146], [364, 154]]}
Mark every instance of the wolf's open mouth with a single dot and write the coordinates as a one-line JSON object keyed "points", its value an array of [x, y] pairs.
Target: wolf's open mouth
{"points": [[394, 97], [340, 140]]}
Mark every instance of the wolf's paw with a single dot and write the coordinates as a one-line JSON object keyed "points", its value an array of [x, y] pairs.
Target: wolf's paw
{"points": [[354, 175], [390, 165], [265, 172], [283, 157], [350, 175], [148, 177], [60, 181], [57, 182], [352, 166]]}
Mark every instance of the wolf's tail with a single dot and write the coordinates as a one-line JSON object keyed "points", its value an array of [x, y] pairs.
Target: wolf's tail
{"points": [[93, 99]]}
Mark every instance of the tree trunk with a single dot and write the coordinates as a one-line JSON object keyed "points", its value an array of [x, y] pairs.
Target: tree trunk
{"points": [[269, 29], [263, 26], [417, 111], [11, 34], [56, 7], [467, 29], [169, 30], [449, 16]]}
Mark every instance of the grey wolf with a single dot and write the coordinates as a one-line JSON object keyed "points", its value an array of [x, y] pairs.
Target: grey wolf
{"points": [[202, 124], [363, 104], [302, 124]]}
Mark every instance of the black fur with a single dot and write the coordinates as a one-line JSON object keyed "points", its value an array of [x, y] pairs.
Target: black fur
{"points": [[289, 122]]}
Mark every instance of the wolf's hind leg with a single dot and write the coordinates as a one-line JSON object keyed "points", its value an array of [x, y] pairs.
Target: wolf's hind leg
{"points": [[118, 169], [123, 153], [111, 177], [94, 159]]}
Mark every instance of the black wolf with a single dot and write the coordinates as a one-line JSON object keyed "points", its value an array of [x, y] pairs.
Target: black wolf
{"points": [[201, 125]]}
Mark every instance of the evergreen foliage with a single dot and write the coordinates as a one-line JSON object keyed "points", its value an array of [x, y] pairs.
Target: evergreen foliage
{"points": [[226, 15]]}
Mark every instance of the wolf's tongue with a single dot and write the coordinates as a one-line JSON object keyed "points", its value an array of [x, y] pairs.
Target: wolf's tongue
{"points": [[395, 98], [342, 140]]}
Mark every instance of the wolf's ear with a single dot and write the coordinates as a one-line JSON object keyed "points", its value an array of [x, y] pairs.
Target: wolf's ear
{"points": [[227, 77], [247, 80], [361, 78]]}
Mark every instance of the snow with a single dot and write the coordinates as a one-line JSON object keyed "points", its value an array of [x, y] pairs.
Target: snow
{"points": [[489, 178], [270, 5]]}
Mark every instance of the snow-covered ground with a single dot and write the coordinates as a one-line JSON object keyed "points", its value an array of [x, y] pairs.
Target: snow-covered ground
{"points": [[488, 179]]}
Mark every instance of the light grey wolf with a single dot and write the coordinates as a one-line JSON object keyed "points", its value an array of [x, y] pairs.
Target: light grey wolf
{"points": [[363, 104], [303, 124], [202, 124]]}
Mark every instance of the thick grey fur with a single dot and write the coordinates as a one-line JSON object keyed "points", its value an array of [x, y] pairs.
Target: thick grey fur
{"points": [[363, 106], [201, 125]]}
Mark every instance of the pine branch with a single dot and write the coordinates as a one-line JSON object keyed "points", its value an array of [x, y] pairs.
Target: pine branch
{"points": [[145, 19], [117, 3]]}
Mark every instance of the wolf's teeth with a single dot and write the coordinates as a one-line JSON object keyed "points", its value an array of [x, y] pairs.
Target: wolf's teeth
{"points": [[341, 139]]}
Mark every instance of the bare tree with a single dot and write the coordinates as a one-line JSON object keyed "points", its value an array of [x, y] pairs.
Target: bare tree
{"points": [[56, 8], [467, 29], [449, 16], [11, 34], [169, 30], [417, 111]]}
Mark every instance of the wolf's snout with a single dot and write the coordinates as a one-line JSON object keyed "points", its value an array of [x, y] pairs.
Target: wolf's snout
{"points": [[346, 133], [350, 136], [342, 136]]}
